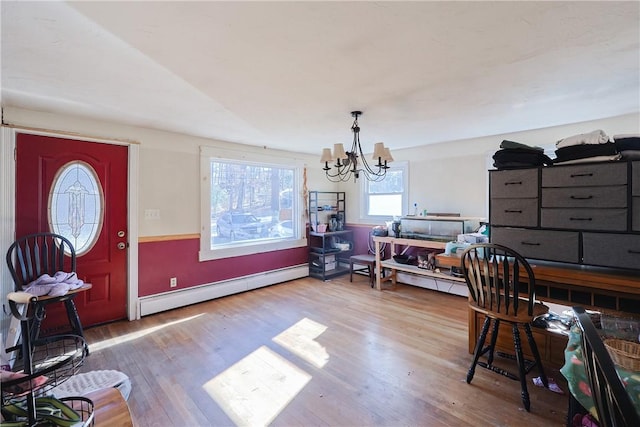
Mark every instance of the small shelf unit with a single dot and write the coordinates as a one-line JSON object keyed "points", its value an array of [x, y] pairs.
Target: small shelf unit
{"points": [[330, 245], [325, 260]]}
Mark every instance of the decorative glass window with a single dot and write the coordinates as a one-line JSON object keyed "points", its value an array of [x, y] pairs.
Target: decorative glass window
{"points": [[76, 205]]}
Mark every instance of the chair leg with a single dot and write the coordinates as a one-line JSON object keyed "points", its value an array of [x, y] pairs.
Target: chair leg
{"points": [[494, 339], [351, 271], [478, 351], [536, 355], [521, 369], [36, 323], [370, 269], [74, 320]]}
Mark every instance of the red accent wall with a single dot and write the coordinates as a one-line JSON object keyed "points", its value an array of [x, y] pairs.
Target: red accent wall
{"points": [[159, 261], [361, 237]]}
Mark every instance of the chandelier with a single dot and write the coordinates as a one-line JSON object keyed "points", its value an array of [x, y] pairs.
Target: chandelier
{"points": [[353, 163]]}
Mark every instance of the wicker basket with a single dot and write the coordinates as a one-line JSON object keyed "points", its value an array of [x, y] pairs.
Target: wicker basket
{"points": [[625, 354]]}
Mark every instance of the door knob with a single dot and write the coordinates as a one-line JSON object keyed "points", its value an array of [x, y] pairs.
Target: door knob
{"points": [[122, 245], [121, 233]]}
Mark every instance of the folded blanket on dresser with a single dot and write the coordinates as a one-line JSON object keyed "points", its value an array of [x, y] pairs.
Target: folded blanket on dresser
{"points": [[594, 137], [513, 144], [575, 152], [611, 158], [512, 158], [627, 142]]}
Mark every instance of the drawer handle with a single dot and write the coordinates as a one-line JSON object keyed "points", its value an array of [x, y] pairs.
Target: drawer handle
{"points": [[581, 197], [512, 211], [632, 251], [530, 243], [580, 219], [578, 175], [513, 183]]}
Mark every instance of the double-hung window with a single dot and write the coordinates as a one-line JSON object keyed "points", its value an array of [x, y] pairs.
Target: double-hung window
{"points": [[386, 198], [249, 204]]}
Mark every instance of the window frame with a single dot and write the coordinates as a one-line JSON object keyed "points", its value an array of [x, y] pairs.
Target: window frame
{"points": [[364, 195], [250, 247]]}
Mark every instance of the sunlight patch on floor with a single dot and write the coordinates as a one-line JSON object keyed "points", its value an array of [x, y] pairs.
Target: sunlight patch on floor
{"points": [[100, 345], [300, 340], [257, 388]]}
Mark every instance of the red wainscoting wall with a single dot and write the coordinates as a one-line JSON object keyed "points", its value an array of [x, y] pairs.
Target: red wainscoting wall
{"points": [[162, 259], [361, 237]]}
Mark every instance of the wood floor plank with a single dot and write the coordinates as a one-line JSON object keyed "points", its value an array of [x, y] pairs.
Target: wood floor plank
{"points": [[316, 353]]}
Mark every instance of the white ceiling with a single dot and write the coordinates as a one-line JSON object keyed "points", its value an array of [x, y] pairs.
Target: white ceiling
{"points": [[287, 74]]}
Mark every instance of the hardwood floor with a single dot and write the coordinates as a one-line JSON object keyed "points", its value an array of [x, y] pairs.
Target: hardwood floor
{"points": [[308, 352]]}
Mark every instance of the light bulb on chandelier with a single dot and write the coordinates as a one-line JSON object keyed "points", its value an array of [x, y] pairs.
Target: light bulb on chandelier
{"points": [[353, 163]]}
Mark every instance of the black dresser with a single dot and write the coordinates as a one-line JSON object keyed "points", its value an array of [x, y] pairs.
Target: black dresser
{"points": [[587, 213]]}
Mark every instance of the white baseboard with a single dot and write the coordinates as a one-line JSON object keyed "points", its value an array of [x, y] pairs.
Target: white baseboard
{"points": [[183, 297], [442, 285]]}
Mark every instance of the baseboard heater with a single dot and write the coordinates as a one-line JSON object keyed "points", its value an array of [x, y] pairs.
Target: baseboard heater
{"points": [[183, 297]]}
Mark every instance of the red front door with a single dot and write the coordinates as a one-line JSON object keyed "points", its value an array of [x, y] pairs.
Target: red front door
{"points": [[41, 161]]}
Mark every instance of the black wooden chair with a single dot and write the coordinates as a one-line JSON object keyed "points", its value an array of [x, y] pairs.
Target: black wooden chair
{"points": [[30, 257], [611, 400], [497, 278]]}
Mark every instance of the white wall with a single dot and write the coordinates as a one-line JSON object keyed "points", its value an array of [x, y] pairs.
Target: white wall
{"points": [[169, 169], [444, 177], [452, 176]]}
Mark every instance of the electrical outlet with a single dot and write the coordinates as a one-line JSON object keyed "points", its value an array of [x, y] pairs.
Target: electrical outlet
{"points": [[173, 282]]}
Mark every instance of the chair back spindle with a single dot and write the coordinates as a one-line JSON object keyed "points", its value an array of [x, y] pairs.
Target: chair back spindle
{"points": [[33, 255], [496, 276]]}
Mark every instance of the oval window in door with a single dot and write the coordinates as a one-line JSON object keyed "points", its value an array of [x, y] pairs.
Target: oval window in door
{"points": [[76, 205]]}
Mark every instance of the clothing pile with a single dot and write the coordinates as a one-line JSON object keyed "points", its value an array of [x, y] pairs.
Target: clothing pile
{"points": [[57, 285], [514, 155], [594, 146], [628, 146]]}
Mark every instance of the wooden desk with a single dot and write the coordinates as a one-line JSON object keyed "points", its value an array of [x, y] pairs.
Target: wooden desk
{"points": [[606, 290], [394, 243]]}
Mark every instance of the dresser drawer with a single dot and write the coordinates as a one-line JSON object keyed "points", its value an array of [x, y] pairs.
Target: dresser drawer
{"points": [[520, 183], [514, 212], [585, 219], [635, 178], [563, 246], [611, 250], [585, 175], [585, 197]]}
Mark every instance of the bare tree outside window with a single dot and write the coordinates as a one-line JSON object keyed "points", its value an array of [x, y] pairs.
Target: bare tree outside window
{"points": [[250, 202]]}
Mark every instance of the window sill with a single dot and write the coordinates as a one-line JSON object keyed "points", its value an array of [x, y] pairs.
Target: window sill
{"points": [[249, 248]]}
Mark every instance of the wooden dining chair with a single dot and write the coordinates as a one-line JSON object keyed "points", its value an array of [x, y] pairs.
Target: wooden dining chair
{"points": [[33, 255], [611, 401], [502, 288]]}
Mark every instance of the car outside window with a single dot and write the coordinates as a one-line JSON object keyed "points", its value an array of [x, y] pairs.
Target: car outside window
{"points": [[249, 206]]}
